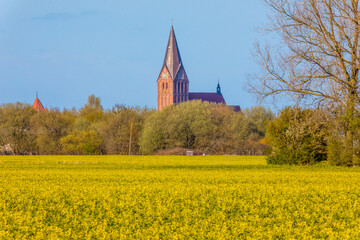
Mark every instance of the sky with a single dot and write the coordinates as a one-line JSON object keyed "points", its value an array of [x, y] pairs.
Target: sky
{"points": [[67, 50]]}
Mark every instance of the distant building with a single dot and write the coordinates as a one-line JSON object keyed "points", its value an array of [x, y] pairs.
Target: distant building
{"points": [[173, 83], [38, 105]]}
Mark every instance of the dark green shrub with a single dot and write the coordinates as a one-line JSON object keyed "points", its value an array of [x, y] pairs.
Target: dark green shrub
{"points": [[298, 137]]}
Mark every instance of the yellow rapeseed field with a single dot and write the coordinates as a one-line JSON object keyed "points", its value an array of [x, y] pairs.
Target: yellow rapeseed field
{"points": [[157, 197]]}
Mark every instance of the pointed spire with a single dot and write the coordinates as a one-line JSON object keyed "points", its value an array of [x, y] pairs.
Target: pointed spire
{"points": [[218, 89], [172, 57], [38, 105]]}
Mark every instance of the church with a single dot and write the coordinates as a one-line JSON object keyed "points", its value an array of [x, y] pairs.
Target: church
{"points": [[173, 83]]}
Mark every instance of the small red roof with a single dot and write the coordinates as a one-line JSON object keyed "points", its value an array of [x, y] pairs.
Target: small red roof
{"points": [[38, 105], [207, 97]]}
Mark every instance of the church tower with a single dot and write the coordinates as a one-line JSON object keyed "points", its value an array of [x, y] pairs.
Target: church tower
{"points": [[172, 83], [38, 105]]}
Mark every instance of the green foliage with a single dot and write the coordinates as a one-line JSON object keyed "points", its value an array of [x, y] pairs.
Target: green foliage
{"points": [[344, 147], [92, 111], [201, 126], [87, 142], [121, 130], [249, 130], [83, 136], [257, 119], [153, 137], [298, 137], [336, 151], [49, 128], [194, 125], [207, 127], [15, 128]]}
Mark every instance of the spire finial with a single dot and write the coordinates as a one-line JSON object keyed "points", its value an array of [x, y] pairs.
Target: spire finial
{"points": [[172, 21], [36, 94], [218, 89]]}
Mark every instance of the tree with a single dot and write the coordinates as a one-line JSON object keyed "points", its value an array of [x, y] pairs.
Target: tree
{"points": [[86, 142], [298, 136], [15, 128], [258, 118], [84, 136], [213, 131], [153, 137], [319, 58], [49, 128], [121, 130], [192, 125], [92, 111], [249, 128]]}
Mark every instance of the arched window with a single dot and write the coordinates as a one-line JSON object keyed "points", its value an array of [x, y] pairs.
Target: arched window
{"points": [[166, 85], [163, 86]]}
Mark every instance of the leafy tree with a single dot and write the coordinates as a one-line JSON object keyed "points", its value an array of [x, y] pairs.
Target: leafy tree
{"points": [[15, 128], [49, 128], [192, 125], [317, 61], [344, 149], [215, 135], [249, 128], [121, 130], [92, 111], [154, 136], [86, 142], [258, 118], [84, 137], [298, 136]]}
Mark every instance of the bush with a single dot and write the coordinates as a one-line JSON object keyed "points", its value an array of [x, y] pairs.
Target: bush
{"points": [[298, 137]]}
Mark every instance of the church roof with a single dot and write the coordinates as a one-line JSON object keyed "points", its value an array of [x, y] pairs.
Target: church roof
{"points": [[236, 108], [207, 97], [172, 57], [38, 105]]}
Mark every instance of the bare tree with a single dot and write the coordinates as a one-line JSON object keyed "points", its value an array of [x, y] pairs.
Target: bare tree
{"points": [[318, 59]]}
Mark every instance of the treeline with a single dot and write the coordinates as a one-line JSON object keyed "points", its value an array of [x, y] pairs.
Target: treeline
{"points": [[206, 127], [308, 136], [201, 127]]}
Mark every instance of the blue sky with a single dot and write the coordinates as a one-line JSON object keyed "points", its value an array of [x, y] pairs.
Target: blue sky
{"points": [[69, 49]]}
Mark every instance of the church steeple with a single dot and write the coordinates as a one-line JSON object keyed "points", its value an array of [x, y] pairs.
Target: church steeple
{"points": [[38, 105], [172, 57], [218, 89], [172, 83]]}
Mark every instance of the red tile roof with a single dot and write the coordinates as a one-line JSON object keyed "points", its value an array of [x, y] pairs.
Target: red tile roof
{"points": [[38, 105], [207, 97]]}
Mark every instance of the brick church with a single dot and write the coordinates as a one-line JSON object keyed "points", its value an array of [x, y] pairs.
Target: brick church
{"points": [[173, 83]]}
